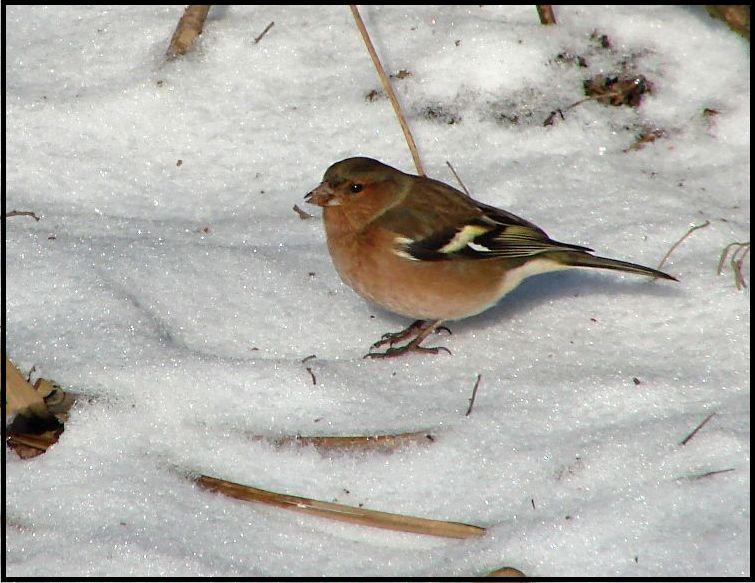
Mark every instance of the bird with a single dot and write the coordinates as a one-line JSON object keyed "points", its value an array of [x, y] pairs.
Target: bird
{"points": [[420, 248]]}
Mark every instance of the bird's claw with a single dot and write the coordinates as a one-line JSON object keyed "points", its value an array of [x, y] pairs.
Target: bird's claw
{"points": [[393, 352]]}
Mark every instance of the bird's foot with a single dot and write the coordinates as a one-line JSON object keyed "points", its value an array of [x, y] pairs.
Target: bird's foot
{"points": [[419, 329], [392, 338], [411, 347]]}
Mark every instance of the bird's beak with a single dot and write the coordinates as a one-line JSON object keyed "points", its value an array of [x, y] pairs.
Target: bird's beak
{"points": [[323, 195]]}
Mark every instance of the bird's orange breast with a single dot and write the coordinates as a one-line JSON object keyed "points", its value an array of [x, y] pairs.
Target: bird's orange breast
{"points": [[426, 290]]}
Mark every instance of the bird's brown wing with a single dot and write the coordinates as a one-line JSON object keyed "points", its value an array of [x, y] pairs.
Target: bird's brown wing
{"points": [[436, 222]]}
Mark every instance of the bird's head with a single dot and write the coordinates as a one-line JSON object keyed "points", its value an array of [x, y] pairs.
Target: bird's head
{"points": [[359, 184]]}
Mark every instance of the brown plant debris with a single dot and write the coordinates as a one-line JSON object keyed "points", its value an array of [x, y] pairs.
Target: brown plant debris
{"points": [[58, 402], [303, 215], [570, 59], [464, 188], [646, 137], [709, 116], [741, 250], [39, 410], [545, 13], [552, 116], [737, 16], [474, 395], [388, 88], [29, 445], [440, 114], [327, 443], [31, 372], [20, 396], [402, 74], [21, 214], [341, 512], [705, 475], [374, 95], [264, 32], [188, 29], [692, 229], [696, 429], [506, 572], [601, 39], [618, 90]]}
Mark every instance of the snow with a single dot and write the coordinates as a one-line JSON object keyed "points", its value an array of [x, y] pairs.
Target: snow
{"points": [[181, 299]]}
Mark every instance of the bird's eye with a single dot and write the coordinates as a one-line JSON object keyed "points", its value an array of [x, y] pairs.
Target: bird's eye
{"points": [[356, 188]]}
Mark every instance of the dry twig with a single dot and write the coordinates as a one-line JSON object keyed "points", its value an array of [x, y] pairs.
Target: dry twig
{"points": [[696, 429], [264, 32], [737, 259], [188, 29], [705, 475], [464, 188], [736, 266], [21, 214], [341, 512], [560, 111], [545, 12], [385, 81], [474, 395], [692, 229], [328, 443]]}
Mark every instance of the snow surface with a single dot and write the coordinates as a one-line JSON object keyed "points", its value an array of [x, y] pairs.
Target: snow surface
{"points": [[181, 299]]}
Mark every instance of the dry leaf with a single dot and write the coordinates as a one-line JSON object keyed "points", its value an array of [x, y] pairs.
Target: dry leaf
{"points": [[20, 396], [39, 412]]}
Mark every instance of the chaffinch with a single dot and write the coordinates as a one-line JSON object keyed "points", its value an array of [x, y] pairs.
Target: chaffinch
{"points": [[423, 249]]}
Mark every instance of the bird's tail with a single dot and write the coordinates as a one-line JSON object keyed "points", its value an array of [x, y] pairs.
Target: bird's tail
{"points": [[578, 259]]}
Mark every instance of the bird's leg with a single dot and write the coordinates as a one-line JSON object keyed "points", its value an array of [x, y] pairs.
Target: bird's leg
{"points": [[419, 329]]}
